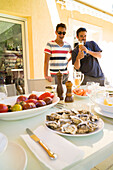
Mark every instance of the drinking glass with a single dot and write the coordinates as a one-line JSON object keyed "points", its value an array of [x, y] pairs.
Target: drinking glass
{"points": [[80, 43], [3, 92], [78, 78], [95, 90], [108, 84]]}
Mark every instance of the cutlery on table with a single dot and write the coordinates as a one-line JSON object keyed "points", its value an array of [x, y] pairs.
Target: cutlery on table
{"points": [[37, 140]]}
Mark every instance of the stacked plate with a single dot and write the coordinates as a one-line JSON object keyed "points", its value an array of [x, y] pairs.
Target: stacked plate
{"points": [[9, 159], [102, 109]]}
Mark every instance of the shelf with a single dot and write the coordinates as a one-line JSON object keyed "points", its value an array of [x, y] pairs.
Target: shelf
{"points": [[2, 71], [11, 51], [20, 69]]}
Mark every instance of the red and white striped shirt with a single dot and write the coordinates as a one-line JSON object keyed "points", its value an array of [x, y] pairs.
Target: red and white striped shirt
{"points": [[58, 59]]}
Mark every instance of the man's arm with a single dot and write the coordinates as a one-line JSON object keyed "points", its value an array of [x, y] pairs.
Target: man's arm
{"points": [[69, 59], [94, 54], [46, 66], [78, 58]]}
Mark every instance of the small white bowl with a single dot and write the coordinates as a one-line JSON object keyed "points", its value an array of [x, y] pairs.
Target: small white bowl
{"points": [[3, 143], [100, 103]]}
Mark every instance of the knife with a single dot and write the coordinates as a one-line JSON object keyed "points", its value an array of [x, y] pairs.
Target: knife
{"points": [[37, 140]]}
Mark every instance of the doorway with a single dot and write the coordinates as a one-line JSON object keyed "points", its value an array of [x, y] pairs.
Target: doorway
{"points": [[13, 52]]}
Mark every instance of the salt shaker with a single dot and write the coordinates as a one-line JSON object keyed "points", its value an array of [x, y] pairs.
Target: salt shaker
{"points": [[59, 85], [69, 97]]}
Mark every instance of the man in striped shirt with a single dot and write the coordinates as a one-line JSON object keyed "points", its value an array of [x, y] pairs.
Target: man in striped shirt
{"points": [[56, 55]]}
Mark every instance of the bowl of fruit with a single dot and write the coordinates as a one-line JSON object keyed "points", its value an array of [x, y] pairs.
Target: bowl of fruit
{"points": [[25, 106]]}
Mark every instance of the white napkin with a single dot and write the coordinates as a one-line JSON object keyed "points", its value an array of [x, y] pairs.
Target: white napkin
{"points": [[67, 153]]}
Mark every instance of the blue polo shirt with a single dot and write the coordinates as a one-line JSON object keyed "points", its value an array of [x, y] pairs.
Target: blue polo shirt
{"points": [[89, 64]]}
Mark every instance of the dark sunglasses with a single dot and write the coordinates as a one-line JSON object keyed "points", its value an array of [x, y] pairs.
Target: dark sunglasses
{"points": [[60, 32]]}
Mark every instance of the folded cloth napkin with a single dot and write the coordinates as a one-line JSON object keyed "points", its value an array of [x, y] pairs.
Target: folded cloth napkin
{"points": [[67, 153]]}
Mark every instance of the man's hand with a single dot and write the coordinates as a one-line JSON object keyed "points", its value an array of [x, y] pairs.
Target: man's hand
{"points": [[83, 48], [94, 54], [49, 78], [80, 55]]}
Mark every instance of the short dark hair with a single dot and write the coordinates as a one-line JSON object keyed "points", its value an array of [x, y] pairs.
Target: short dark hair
{"points": [[80, 30], [60, 25]]}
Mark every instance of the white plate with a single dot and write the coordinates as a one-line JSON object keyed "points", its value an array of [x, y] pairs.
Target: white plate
{"points": [[14, 158], [81, 97], [24, 113], [3, 143], [103, 113], [105, 108], [100, 127]]}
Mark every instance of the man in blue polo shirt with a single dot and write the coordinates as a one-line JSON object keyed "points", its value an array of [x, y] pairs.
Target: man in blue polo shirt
{"points": [[85, 59]]}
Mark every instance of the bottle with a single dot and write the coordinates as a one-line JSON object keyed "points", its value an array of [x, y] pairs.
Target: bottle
{"points": [[59, 85], [69, 97]]}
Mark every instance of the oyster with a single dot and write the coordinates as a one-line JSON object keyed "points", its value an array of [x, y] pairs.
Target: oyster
{"points": [[65, 116], [75, 120], [85, 112], [53, 124], [53, 116], [64, 121], [63, 111], [74, 112], [92, 126], [83, 117], [94, 118], [70, 129], [82, 128]]}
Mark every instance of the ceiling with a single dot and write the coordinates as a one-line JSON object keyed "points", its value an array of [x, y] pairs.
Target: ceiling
{"points": [[105, 5]]}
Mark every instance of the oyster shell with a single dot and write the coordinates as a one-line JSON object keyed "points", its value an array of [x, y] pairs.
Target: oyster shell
{"points": [[85, 112], [94, 118], [82, 128], [53, 124], [74, 112], [70, 129], [64, 121], [63, 111], [92, 126], [65, 116], [75, 120], [83, 117], [53, 116]]}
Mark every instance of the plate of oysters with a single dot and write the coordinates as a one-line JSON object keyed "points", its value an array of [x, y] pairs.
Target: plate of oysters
{"points": [[74, 123]]}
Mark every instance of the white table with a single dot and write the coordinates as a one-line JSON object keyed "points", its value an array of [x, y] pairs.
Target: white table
{"points": [[96, 147]]}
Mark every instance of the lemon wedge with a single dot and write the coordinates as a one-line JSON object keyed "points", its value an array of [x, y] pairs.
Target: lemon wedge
{"points": [[106, 103]]}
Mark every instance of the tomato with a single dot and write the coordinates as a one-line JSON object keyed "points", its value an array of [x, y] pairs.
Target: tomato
{"points": [[33, 96], [29, 106], [21, 98], [3, 108], [40, 103], [32, 101], [46, 94], [16, 107], [48, 100]]}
